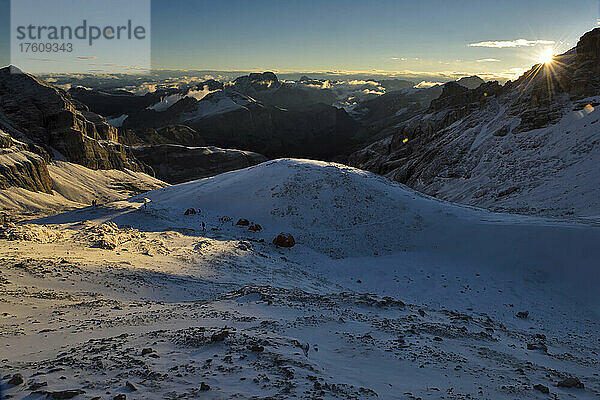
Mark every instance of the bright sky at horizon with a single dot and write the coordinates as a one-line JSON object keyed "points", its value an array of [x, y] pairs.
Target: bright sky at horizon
{"points": [[431, 38]]}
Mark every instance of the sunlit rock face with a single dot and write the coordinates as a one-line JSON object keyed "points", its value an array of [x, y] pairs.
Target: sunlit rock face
{"points": [[585, 80], [588, 47], [35, 112], [20, 166], [455, 95]]}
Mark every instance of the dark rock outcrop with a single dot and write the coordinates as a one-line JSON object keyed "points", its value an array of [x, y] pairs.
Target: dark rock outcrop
{"points": [[470, 82], [542, 388], [588, 48], [571, 382], [284, 240], [25, 170], [256, 82], [15, 380], [176, 164], [459, 97], [114, 103]]}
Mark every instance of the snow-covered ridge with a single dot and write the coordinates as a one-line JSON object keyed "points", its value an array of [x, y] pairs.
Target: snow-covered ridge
{"points": [[344, 212]]}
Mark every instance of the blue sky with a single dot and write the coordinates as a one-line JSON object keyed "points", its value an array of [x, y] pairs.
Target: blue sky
{"points": [[431, 37]]}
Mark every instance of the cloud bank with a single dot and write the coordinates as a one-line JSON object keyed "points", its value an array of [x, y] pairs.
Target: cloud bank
{"points": [[500, 44]]}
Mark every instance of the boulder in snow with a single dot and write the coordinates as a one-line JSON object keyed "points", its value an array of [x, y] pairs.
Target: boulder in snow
{"points": [[284, 240], [255, 227], [571, 383]]}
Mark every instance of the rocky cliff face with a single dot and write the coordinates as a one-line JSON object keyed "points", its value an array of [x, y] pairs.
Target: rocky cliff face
{"points": [[255, 83], [40, 122], [172, 134], [114, 103], [178, 153], [21, 167], [524, 147], [470, 82], [176, 164], [35, 112]]}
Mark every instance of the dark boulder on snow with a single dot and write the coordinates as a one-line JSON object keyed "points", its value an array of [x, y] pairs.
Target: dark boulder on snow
{"points": [[588, 47], [255, 227], [571, 383], [61, 395], [284, 240], [523, 314], [147, 351], [542, 388], [255, 347], [537, 346], [219, 336], [16, 380]]}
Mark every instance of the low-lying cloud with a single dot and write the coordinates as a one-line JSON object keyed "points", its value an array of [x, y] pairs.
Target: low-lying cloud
{"points": [[427, 84], [500, 44]]}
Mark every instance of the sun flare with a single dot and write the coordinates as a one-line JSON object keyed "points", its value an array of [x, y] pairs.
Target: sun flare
{"points": [[546, 56]]}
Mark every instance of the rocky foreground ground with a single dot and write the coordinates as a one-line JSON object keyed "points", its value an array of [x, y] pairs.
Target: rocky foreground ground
{"points": [[100, 311]]}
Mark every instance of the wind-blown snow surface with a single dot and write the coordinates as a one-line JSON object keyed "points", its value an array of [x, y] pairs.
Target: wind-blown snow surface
{"points": [[387, 294]]}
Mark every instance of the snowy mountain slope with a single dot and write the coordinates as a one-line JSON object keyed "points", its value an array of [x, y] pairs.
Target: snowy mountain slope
{"points": [[217, 103], [74, 186], [310, 321], [526, 147], [546, 171]]}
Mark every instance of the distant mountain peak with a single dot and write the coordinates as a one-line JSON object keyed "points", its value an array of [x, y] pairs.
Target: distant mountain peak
{"points": [[12, 69], [470, 82], [256, 82]]}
